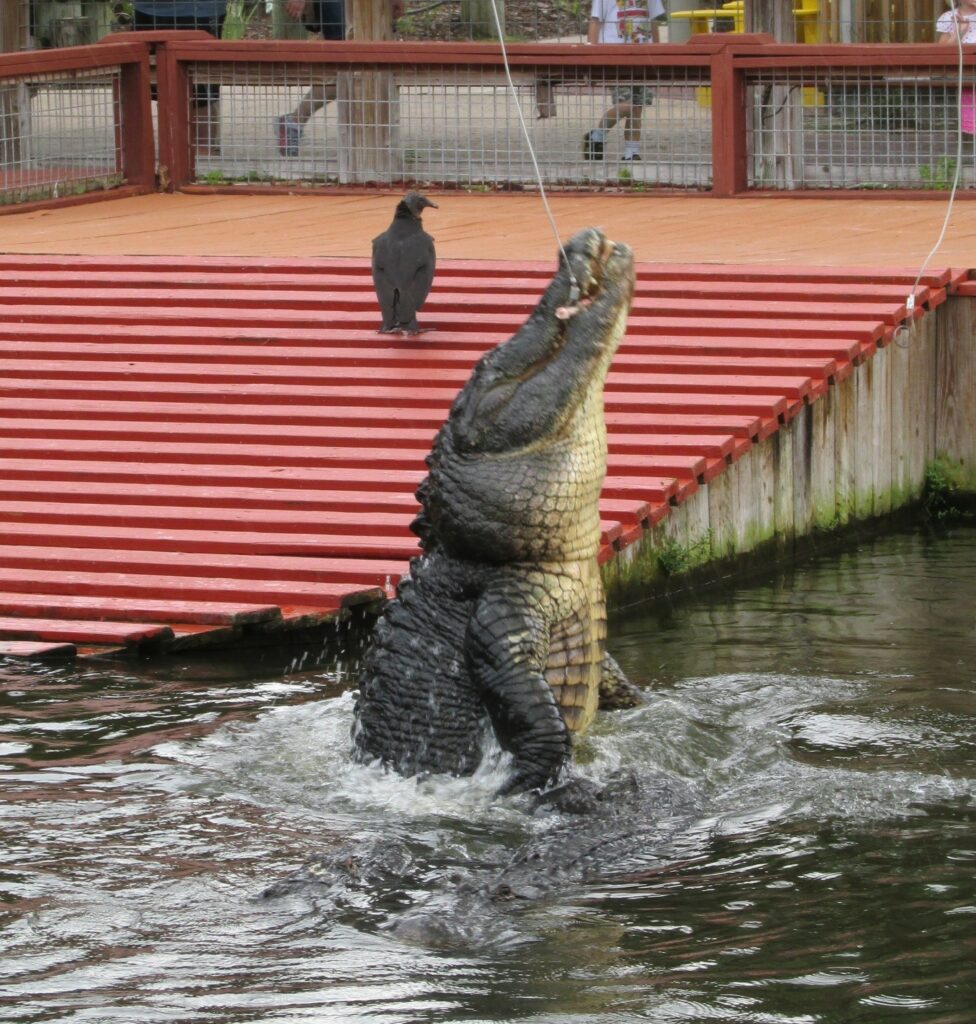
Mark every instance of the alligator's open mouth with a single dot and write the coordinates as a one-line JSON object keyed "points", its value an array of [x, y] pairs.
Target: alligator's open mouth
{"points": [[585, 288]]}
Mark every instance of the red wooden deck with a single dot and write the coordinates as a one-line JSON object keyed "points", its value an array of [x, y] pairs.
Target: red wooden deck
{"points": [[192, 449]]}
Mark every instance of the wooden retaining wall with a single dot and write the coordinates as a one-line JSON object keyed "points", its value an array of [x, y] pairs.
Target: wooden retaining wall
{"points": [[861, 451]]}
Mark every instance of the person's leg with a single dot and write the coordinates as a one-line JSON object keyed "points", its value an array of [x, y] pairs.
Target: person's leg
{"points": [[594, 140], [205, 121], [315, 99], [633, 122], [545, 98]]}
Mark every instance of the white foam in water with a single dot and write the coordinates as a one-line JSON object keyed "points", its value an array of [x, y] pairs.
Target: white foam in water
{"points": [[302, 756], [728, 736]]}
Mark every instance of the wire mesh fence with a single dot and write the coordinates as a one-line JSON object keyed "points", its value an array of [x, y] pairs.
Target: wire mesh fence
{"points": [[318, 124], [854, 128], [303, 115], [60, 134], [46, 23]]}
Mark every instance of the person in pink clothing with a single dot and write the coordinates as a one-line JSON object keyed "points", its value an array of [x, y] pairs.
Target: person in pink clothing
{"points": [[960, 23]]}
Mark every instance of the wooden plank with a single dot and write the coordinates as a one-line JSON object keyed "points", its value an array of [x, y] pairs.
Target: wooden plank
{"points": [[845, 440], [406, 462], [711, 446], [391, 397], [84, 262], [31, 650], [214, 517], [95, 428], [722, 519], [318, 421], [900, 423], [143, 586], [147, 492], [955, 408], [343, 572], [381, 380], [83, 631], [823, 461], [809, 322], [283, 477], [801, 432], [458, 312], [61, 606], [192, 541], [781, 451], [656, 429], [349, 344], [380, 364], [335, 467], [923, 355], [835, 288], [864, 446], [881, 432], [257, 415], [621, 442], [757, 400]]}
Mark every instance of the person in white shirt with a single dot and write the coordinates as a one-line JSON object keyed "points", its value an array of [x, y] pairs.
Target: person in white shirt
{"points": [[961, 23], [631, 22]]}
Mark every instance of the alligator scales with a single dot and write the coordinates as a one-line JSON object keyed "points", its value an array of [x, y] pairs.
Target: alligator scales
{"points": [[502, 620]]}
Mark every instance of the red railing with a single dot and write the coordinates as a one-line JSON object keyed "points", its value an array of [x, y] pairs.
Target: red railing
{"points": [[130, 166], [732, 74]]}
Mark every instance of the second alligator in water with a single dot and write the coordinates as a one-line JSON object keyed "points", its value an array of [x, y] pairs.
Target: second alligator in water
{"points": [[503, 619]]}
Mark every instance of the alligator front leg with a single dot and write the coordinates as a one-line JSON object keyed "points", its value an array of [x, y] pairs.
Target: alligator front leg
{"points": [[616, 690], [506, 650]]}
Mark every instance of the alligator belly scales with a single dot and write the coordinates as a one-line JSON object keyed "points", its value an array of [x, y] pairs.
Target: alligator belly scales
{"points": [[502, 621]]}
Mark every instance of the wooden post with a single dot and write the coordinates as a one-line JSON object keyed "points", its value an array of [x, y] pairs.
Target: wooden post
{"points": [[137, 145], [173, 108], [12, 33], [368, 104], [729, 169], [955, 411], [13, 98], [477, 15], [784, 104]]}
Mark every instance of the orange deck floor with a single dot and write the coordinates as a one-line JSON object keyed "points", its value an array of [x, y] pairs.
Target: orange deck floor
{"points": [[209, 439]]}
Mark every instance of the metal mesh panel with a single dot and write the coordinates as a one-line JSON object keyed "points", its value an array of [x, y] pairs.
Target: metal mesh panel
{"points": [[58, 135], [850, 129], [452, 127]]}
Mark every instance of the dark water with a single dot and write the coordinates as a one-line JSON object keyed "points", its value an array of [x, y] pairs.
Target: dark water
{"points": [[826, 719]]}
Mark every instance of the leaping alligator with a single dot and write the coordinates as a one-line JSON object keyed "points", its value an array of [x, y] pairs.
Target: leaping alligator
{"points": [[502, 619]]}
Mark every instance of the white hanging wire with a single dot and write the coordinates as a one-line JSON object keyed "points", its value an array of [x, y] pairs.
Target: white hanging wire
{"points": [[575, 288], [910, 301]]}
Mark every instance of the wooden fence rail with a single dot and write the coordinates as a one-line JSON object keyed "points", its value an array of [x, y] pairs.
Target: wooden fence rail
{"points": [[766, 118]]}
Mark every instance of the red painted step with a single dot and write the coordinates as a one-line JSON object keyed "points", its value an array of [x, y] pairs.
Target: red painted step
{"points": [[83, 631], [62, 606], [36, 650], [369, 573], [192, 444], [186, 588]]}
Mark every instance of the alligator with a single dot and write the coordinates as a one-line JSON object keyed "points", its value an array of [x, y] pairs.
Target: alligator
{"points": [[501, 623], [443, 894]]}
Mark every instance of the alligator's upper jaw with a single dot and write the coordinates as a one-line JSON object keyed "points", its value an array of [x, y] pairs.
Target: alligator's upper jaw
{"points": [[596, 267]]}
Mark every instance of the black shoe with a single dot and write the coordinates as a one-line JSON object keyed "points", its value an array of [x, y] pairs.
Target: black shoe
{"points": [[631, 158], [592, 148]]}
